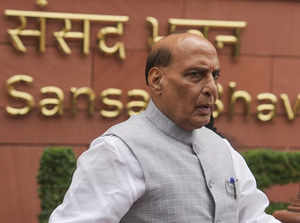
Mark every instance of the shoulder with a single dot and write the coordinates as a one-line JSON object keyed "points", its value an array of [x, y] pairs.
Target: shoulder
{"points": [[240, 166], [236, 156], [109, 142]]}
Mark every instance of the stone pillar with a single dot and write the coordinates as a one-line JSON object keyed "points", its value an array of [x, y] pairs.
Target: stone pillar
{"points": [[292, 214]]}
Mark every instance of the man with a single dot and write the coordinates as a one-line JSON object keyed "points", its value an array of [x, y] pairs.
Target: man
{"points": [[163, 165]]}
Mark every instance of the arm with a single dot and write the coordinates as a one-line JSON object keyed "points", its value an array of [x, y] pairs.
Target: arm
{"points": [[107, 181], [251, 201]]}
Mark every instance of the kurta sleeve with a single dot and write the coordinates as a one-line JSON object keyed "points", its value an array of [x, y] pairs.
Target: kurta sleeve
{"points": [[252, 202], [105, 184]]}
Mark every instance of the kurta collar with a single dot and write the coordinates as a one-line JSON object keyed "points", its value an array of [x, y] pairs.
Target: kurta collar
{"points": [[162, 122]]}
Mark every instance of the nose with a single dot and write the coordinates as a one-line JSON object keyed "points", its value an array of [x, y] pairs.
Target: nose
{"points": [[210, 87]]}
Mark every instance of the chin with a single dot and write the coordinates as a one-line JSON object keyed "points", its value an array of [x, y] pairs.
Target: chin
{"points": [[201, 123], [197, 122]]}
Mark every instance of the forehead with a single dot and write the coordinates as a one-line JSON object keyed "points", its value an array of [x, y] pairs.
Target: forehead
{"points": [[195, 51]]}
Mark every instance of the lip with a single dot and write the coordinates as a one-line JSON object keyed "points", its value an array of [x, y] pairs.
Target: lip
{"points": [[204, 109]]}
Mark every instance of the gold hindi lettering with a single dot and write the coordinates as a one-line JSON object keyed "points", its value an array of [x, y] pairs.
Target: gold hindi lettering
{"points": [[66, 32], [201, 27]]}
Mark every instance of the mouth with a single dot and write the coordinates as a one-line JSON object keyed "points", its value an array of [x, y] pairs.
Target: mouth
{"points": [[204, 109]]}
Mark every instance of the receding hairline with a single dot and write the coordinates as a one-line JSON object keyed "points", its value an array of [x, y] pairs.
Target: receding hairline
{"points": [[174, 41], [163, 52]]}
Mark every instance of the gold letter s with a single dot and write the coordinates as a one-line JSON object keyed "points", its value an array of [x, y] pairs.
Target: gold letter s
{"points": [[28, 98]]}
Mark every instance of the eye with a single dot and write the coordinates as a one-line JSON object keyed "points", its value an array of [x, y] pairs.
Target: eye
{"points": [[216, 74], [195, 75]]}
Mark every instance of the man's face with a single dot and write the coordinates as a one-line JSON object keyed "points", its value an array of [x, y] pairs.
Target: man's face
{"points": [[189, 83]]}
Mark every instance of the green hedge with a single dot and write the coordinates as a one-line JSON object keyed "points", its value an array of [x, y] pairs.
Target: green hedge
{"points": [[274, 206], [58, 163], [273, 167]]}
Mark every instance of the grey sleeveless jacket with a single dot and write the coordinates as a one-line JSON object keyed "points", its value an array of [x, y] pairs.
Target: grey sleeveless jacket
{"points": [[189, 176]]}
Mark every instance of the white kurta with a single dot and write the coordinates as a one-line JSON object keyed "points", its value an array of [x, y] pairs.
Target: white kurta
{"points": [[92, 198]]}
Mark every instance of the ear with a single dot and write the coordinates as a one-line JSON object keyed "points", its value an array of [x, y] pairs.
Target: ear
{"points": [[155, 77]]}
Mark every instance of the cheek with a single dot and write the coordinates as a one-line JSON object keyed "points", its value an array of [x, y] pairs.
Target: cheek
{"points": [[186, 89], [188, 98], [174, 91], [182, 93], [183, 96], [191, 92]]}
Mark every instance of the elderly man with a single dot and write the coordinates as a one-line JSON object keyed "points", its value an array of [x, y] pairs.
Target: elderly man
{"points": [[163, 165]]}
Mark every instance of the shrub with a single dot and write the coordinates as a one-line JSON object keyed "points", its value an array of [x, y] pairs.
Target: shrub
{"points": [[57, 165], [275, 206], [273, 167]]}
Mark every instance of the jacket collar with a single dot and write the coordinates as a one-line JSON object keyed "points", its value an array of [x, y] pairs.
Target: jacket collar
{"points": [[162, 122]]}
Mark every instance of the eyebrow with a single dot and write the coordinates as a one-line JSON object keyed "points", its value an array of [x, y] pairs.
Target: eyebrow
{"points": [[195, 68], [202, 69]]}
